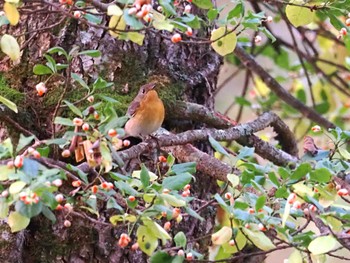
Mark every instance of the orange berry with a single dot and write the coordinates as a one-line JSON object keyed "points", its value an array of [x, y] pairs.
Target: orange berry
{"points": [[76, 183], [167, 226], [78, 122], [110, 186], [132, 198], [251, 211], [343, 192], [86, 127], [176, 212], [96, 115], [91, 99], [67, 223], [132, 11], [104, 185], [18, 161], [62, 2], [36, 154], [126, 143], [57, 182], [232, 243], [65, 153], [77, 14], [291, 198], [347, 22], [162, 159], [163, 214], [59, 198], [187, 187], [297, 204], [189, 32], [188, 9], [181, 253], [94, 189], [189, 256], [59, 207], [41, 88], [69, 2], [22, 196], [247, 225], [135, 246], [68, 206], [343, 31], [186, 193], [176, 38], [313, 208], [112, 132], [228, 195], [261, 227]]}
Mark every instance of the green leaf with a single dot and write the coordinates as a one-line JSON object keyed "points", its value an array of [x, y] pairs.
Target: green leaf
{"points": [[73, 108], [237, 11], [176, 182], [260, 202], [16, 187], [29, 210], [204, 4], [17, 222], [222, 236], [78, 79], [212, 14], [40, 69], [157, 230], [298, 15], [259, 239], [146, 240], [9, 104], [135, 37], [63, 121], [193, 213], [172, 200], [180, 239], [48, 214], [23, 142], [217, 146], [112, 203], [91, 53], [286, 213], [184, 168], [58, 141], [132, 21], [245, 153], [322, 245], [273, 178], [301, 171], [223, 42], [60, 51], [161, 257], [144, 176], [321, 175]]}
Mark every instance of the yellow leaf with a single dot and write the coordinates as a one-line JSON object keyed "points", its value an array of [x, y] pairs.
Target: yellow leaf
{"points": [[261, 88], [17, 222], [295, 257], [137, 174], [259, 239], [12, 1], [172, 200], [298, 15], [146, 240], [136, 37], [286, 213], [222, 236], [240, 240], [16, 187], [322, 245], [114, 10], [117, 23], [11, 13], [223, 44], [10, 46]]}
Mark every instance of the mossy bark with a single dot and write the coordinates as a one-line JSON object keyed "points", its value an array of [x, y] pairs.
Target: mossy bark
{"points": [[185, 72]]}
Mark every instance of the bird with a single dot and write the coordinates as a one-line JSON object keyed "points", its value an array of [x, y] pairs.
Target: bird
{"points": [[146, 112]]}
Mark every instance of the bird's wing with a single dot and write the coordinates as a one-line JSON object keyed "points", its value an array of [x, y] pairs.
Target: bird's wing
{"points": [[133, 108]]}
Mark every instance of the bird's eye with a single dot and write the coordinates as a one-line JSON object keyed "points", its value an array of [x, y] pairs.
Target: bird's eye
{"points": [[143, 91]]}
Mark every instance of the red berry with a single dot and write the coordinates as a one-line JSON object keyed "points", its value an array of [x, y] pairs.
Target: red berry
{"points": [[132, 198], [94, 189], [162, 159], [176, 38], [343, 192], [112, 132], [76, 183], [167, 226]]}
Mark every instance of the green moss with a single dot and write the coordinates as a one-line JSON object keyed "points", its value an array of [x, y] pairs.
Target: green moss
{"points": [[10, 93]]}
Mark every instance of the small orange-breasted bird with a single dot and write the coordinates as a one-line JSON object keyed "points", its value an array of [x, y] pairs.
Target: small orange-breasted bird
{"points": [[146, 112]]}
